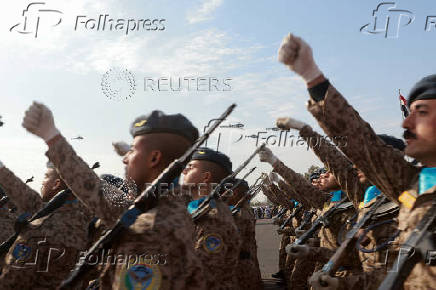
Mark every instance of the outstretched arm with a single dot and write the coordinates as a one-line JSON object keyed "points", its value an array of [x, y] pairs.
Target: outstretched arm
{"points": [[384, 166], [314, 197], [99, 196], [25, 198], [332, 158]]}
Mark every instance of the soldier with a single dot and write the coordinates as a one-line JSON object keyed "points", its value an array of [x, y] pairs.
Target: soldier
{"points": [[411, 186], [375, 263], [48, 247], [217, 241], [318, 199], [157, 248], [248, 272], [7, 217]]}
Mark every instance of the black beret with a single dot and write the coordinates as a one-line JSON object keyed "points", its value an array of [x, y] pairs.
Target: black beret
{"points": [[207, 154], [159, 122], [394, 142], [425, 89]]}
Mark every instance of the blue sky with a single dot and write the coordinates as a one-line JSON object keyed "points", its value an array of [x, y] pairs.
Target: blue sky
{"points": [[63, 68]]}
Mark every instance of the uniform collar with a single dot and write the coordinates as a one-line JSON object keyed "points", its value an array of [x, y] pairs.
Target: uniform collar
{"points": [[427, 179]]}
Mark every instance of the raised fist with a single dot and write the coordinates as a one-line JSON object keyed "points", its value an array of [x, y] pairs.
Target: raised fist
{"points": [[121, 147], [297, 55], [266, 155], [287, 123], [38, 120]]}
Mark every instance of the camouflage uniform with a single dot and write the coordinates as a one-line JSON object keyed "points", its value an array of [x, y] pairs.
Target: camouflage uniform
{"points": [[383, 165], [308, 195], [47, 249], [248, 272], [218, 245], [25, 198], [157, 249]]}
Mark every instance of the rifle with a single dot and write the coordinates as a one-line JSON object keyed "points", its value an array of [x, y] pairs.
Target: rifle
{"points": [[204, 206], [323, 220], [288, 220], [146, 201], [306, 220], [56, 202], [335, 261], [280, 213], [419, 244], [237, 183], [245, 198]]}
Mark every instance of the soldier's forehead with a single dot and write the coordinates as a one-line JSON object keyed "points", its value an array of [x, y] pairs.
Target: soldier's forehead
{"points": [[424, 104]]}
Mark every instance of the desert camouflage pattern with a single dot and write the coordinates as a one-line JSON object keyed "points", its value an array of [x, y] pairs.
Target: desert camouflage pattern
{"points": [[218, 245], [248, 272], [25, 198], [158, 251], [308, 194], [47, 249], [384, 166], [337, 163]]}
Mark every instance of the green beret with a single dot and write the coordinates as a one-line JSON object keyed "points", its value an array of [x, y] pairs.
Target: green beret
{"points": [[207, 154], [425, 89], [159, 122]]}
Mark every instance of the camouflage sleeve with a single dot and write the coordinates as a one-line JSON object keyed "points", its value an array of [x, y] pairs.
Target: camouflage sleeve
{"points": [[268, 193], [280, 195], [102, 199], [384, 166], [337, 163], [292, 194], [314, 197], [26, 199]]}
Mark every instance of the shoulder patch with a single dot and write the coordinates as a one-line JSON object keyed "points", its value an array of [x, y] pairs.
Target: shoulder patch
{"points": [[141, 276], [213, 243], [21, 252]]}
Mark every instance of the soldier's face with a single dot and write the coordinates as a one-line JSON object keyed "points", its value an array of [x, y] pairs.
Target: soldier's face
{"points": [[137, 161], [421, 136], [50, 184], [193, 173], [360, 174], [328, 181]]}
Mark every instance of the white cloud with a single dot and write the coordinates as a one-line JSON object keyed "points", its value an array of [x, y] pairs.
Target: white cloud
{"points": [[204, 12]]}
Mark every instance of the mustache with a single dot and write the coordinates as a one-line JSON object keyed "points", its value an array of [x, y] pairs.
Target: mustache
{"points": [[408, 135]]}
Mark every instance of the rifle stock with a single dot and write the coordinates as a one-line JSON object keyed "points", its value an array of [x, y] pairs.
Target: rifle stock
{"points": [[336, 260], [417, 248]]}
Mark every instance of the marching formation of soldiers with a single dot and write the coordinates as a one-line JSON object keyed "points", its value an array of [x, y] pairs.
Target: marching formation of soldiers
{"points": [[365, 221]]}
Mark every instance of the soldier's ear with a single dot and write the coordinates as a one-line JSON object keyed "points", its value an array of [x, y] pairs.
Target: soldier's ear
{"points": [[155, 158], [207, 177]]}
